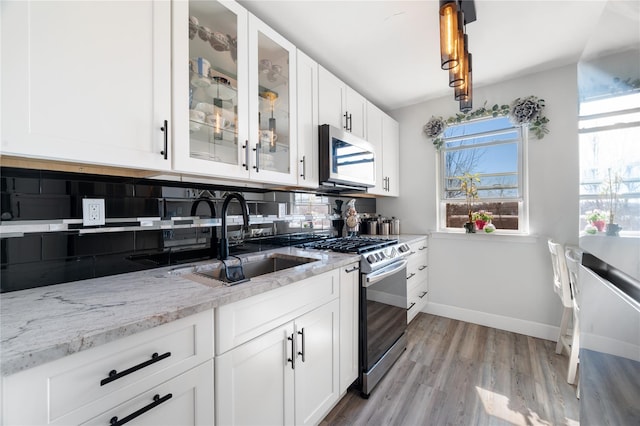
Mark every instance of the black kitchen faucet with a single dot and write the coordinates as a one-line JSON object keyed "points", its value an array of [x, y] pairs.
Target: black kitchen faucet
{"points": [[223, 253]]}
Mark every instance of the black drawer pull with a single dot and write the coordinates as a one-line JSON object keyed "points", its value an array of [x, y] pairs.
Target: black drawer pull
{"points": [[348, 271], [411, 275], [422, 248], [411, 306], [114, 375], [421, 268], [423, 294], [156, 401]]}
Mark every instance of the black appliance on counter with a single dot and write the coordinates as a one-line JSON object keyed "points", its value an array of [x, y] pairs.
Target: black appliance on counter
{"points": [[383, 302]]}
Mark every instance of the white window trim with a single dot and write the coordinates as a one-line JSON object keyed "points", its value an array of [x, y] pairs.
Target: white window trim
{"points": [[523, 202]]}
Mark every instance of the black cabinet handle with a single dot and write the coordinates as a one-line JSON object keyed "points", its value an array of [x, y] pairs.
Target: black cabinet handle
{"points": [[422, 248], [114, 375], [165, 129], [411, 275], [421, 268], [292, 360], [423, 294], [346, 120], [304, 167], [246, 155], [257, 150], [411, 306], [348, 271], [302, 352], [156, 401]]}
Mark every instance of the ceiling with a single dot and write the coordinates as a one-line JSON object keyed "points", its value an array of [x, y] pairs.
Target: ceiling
{"points": [[388, 50]]}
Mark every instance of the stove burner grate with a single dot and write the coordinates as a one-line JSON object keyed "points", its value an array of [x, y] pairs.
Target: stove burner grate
{"points": [[351, 244]]}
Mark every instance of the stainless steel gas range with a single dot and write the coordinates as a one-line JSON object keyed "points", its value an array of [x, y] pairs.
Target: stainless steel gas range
{"points": [[383, 302]]}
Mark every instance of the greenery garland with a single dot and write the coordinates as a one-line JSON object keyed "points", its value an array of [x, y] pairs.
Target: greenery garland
{"points": [[523, 111]]}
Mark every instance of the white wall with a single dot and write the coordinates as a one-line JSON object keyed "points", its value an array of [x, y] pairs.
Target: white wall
{"points": [[503, 282]]}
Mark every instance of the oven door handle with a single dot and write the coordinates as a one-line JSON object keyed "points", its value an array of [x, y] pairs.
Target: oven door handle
{"points": [[383, 273]]}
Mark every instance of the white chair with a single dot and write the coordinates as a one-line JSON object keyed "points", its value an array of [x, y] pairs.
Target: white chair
{"points": [[573, 257], [562, 288]]}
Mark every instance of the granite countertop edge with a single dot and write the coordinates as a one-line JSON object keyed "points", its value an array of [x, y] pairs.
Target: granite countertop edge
{"points": [[48, 323]]}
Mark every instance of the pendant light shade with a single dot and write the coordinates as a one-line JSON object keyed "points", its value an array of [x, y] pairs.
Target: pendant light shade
{"points": [[462, 91], [456, 75], [466, 102], [448, 34]]}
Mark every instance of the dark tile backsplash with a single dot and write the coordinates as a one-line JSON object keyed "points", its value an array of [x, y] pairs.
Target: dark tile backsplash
{"points": [[41, 259]]}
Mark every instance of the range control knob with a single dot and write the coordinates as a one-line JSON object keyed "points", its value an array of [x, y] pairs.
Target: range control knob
{"points": [[371, 258]]}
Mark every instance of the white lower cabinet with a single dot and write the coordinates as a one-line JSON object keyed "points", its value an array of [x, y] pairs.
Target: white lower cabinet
{"points": [[417, 278], [349, 309], [288, 375], [184, 400], [120, 378]]}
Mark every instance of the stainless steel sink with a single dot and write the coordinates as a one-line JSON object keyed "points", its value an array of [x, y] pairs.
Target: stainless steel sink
{"points": [[272, 263]]}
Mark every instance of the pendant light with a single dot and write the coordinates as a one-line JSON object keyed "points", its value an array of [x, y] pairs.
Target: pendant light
{"points": [[456, 74], [454, 47], [466, 102], [460, 91], [448, 34]]}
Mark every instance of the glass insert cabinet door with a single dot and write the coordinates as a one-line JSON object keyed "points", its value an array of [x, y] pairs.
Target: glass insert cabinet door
{"points": [[211, 88], [272, 94], [213, 82], [234, 95]]}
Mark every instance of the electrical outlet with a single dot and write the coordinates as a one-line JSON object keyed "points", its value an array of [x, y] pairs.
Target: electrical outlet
{"points": [[93, 211]]}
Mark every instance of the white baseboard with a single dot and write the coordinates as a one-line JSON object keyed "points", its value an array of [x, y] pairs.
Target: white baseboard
{"points": [[528, 328]]}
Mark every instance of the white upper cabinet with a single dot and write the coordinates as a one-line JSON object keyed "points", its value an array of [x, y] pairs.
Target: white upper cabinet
{"points": [[210, 88], [374, 136], [339, 105], [272, 108], [234, 94], [87, 82], [391, 155], [307, 84], [383, 133]]}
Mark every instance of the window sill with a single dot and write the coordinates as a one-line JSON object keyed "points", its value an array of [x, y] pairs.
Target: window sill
{"points": [[494, 236]]}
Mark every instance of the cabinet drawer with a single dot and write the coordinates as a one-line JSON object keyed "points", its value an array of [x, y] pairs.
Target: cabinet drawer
{"points": [[251, 317], [419, 246], [77, 387], [182, 401], [416, 271], [417, 298]]}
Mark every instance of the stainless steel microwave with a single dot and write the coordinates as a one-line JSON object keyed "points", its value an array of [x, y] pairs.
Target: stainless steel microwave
{"points": [[346, 161]]}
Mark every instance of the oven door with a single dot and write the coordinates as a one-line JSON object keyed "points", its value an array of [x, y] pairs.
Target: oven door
{"points": [[383, 310]]}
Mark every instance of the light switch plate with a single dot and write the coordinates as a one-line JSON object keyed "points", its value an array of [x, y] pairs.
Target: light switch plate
{"points": [[93, 211]]}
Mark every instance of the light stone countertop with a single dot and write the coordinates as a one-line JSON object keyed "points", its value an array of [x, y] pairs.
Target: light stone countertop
{"points": [[47, 323]]}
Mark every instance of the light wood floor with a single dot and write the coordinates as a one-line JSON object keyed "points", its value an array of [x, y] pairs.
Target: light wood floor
{"points": [[457, 373]]}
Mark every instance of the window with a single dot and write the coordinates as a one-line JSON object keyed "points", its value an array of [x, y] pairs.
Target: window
{"points": [[494, 149], [610, 153]]}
